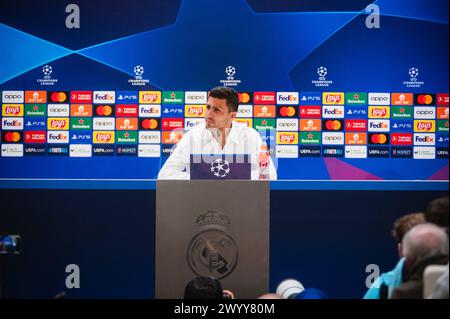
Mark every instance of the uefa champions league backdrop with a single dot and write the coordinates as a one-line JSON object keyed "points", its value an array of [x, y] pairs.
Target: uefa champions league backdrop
{"points": [[105, 89]]}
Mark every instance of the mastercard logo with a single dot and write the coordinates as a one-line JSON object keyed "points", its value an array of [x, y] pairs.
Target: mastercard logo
{"points": [[244, 97], [287, 111], [104, 110], [425, 99], [149, 124], [12, 137], [333, 125], [378, 138], [58, 97]]}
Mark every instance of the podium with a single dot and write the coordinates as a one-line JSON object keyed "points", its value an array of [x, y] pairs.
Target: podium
{"points": [[212, 228]]}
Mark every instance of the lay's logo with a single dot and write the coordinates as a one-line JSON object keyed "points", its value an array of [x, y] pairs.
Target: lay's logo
{"points": [[195, 110], [58, 123], [377, 112], [332, 98], [424, 126], [12, 109], [287, 138], [150, 97], [104, 137]]}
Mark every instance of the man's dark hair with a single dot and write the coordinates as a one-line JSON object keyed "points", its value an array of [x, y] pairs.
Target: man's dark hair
{"points": [[437, 212], [223, 92], [203, 288]]}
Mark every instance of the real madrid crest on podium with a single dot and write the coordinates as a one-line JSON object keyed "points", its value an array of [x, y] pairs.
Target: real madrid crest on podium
{"points": [[216, 228], [212, 252]]}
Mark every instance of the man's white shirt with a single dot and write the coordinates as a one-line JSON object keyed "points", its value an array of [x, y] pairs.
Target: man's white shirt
{"points": [[201, 140]]}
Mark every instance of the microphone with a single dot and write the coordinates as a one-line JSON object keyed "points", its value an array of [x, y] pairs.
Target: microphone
{"points": [[289, 288]]}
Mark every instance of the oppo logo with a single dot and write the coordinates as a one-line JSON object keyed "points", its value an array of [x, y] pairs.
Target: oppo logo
{"points": [[12, 96], [283, 124], [102, 124], [195, 97], [379, 98], [424, 112], [58, 110], [332, 138]]}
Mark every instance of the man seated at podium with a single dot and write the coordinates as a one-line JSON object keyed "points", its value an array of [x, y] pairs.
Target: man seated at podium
{"points": [[220, 135]]}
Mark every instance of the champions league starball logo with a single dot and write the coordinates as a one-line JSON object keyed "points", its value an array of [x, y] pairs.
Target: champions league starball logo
{"points": [[47, 70], [413, 73], [322, 80], [212, 252], [138, 71], [230, 71], [220, 168], [322, 72], [413, 82]]}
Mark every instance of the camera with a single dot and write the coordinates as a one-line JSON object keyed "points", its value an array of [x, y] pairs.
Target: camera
{"points": [[9, 244]]}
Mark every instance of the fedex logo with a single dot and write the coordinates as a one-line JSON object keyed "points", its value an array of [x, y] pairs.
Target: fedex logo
{"points": [[379, 125], [287, 98], [146, 110], [12, 123], [190, 123], [424, 139], [104, 97], [335, 111], [58, 137]]}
